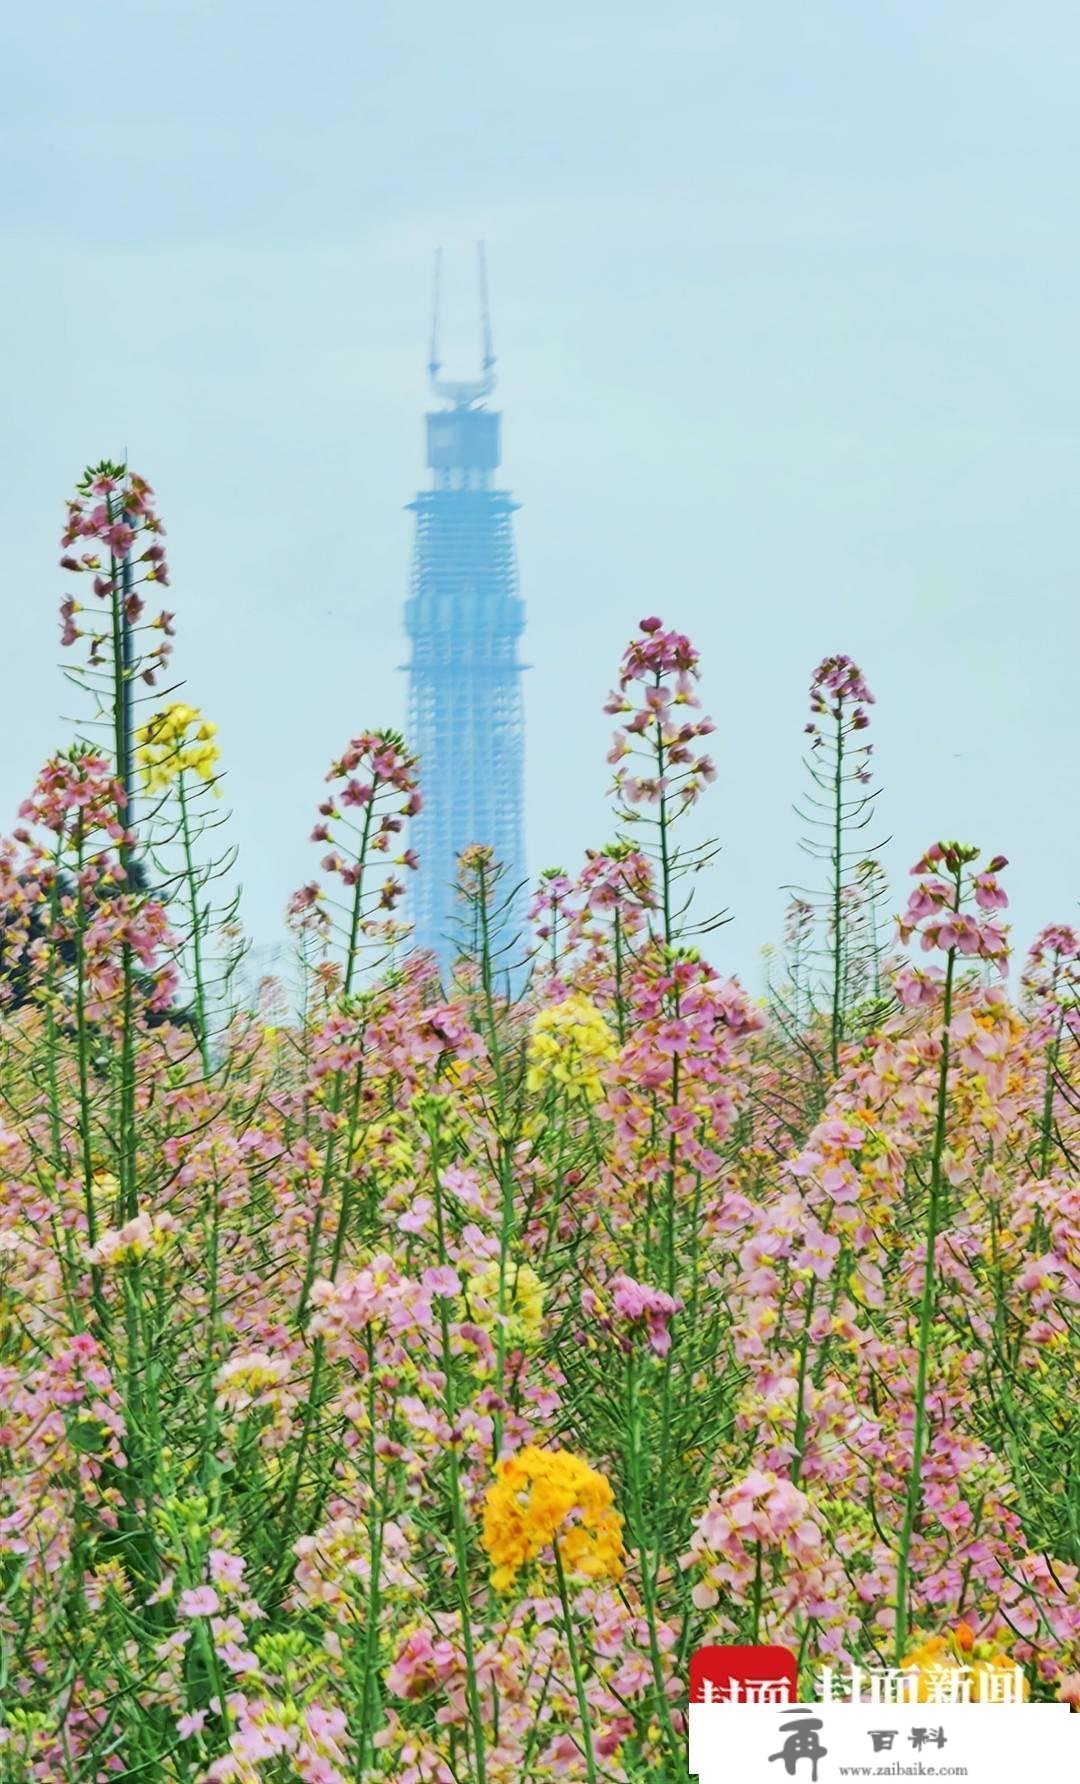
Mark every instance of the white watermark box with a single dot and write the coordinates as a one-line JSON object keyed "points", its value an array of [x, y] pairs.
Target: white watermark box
{"points": [[822, 1743]]}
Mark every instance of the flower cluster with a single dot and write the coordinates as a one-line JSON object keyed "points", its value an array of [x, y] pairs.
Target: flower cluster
{"points": [[983, 1670], [114, 519], [934, 909], [546, 1500], [523, 1300], [570, 1044], [78, 793], [176, 741], [664, 666], [379, 787], [145, 1236], [839, 690], [762, 1513], [630, 1307]]}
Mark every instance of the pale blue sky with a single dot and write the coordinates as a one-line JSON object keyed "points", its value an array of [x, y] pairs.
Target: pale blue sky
{"points": [[785, 306]]}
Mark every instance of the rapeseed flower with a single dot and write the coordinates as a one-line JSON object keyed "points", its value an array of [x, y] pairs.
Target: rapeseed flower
{"points": [[145, 1236], [251, 1378], [175, 740], [569, 1045], [992, 1674], [543, 1498], [523, 1308]]}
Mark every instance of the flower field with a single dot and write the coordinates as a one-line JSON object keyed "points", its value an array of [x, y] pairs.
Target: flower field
{"points": [[401, 1377]]}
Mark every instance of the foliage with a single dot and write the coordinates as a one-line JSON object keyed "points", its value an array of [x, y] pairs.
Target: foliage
{"points": [[402, 1388]]}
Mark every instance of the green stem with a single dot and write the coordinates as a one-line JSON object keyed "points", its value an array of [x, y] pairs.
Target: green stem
{"points": [[755, 1627], [1047, 1122], [799, 1437], [210, 1418], [196, 927], [640, 1542], [837, 865], [579, 1682], [620, 1004], [504, 1155], [913, 1499], [336, 1092], [370, 1703], [461, 1548], [663, 823], [123, 668], [83, 1069]]}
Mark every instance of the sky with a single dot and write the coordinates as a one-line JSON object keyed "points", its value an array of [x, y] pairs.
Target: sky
{"points": [[784, 301]]}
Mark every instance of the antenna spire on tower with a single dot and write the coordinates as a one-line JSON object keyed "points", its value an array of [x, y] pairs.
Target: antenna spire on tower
{"points": [[472, 390], [485, 309], [433, 357]]}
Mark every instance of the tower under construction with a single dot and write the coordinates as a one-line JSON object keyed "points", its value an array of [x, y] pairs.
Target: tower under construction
{"points": [[464, 617]]}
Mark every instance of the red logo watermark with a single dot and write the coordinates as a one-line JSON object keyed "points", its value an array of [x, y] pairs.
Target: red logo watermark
{"points": [[743, 1675]]}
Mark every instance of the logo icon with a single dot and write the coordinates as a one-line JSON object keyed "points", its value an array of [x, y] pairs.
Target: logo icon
{"points": [[743, 1675]]}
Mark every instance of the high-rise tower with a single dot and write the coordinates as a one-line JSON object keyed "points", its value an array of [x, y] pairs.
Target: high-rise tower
{"points": [[464, 617]]}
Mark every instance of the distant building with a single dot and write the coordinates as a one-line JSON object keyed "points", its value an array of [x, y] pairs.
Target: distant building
{"points": [[264, 965], [464, 617]]}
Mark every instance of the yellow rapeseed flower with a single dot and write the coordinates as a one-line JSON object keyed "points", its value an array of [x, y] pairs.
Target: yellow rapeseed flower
{"points": [[938, 1655], [542, 1497], [523, 1300], [248, 1377], [105, 1184], [176, 740], [570, 1044]]}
